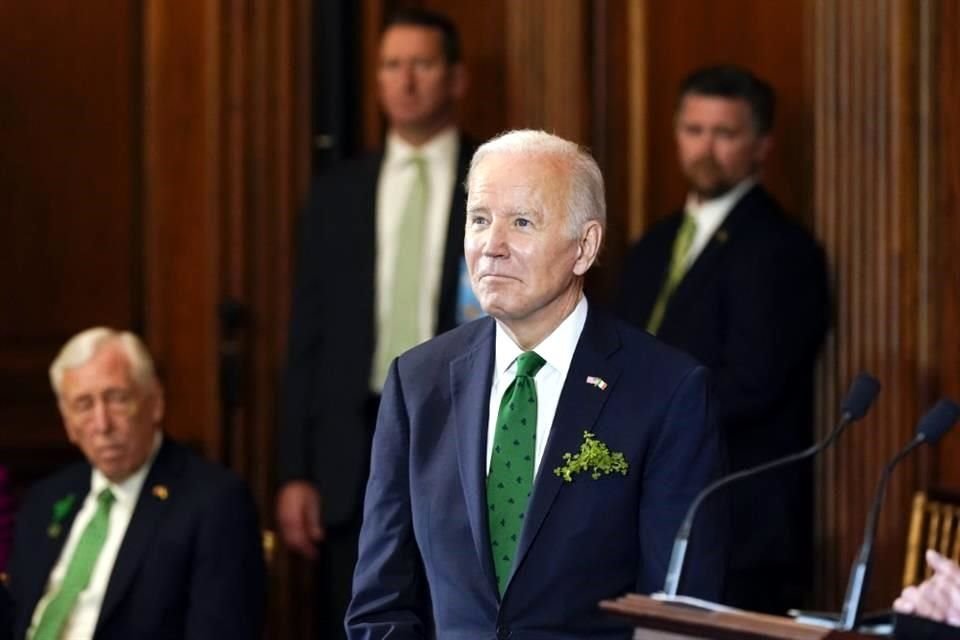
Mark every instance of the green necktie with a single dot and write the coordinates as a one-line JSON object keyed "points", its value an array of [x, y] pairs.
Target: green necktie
{"points": [[678, 266], [402, 327], [78, 573], [511, 465]]}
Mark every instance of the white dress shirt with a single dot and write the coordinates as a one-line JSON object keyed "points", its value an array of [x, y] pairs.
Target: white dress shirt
{"points": [[83, 619], [557, 350], [710, 214], [397, 174]]}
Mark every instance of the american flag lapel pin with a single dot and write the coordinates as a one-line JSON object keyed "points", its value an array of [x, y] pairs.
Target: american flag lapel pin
{"points": [[599, 383]]}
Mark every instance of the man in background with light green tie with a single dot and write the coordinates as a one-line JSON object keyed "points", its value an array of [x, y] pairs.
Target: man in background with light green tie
{"points": [[738, 285], [380, 258], [143, 540]]}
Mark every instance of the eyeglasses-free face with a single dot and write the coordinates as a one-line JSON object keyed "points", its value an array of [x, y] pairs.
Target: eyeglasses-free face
{"points": [[108, 414]]}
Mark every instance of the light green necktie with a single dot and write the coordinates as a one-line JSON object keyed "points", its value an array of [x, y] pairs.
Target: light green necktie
{"points": [[511, 466], [678, 266], [75, 580], [402, 327]]}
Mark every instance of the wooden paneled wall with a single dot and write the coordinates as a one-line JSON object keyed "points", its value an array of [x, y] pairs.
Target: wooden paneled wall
{"points": [[154, 156], [766, 37], [876, 192], [70, 171], [944, 239]]}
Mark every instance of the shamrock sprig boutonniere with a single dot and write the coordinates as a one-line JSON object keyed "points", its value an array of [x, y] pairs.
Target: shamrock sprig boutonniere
{"points": [[594, 457], [61, 508]]}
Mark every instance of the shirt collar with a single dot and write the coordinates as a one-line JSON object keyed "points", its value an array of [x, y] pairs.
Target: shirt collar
{"points": [[437, 149], [127, 491], [711, 213], [556, 349]]}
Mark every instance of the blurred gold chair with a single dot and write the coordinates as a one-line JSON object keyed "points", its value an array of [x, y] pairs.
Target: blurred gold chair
{"points": [[934, 524]]}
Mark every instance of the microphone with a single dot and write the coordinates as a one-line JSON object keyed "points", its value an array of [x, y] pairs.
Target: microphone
{"points": [[932, 426], [863, 391]]}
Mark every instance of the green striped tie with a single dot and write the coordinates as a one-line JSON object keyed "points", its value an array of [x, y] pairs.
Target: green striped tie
{"points": [[678, 266], [511, 466], [75, 580]]}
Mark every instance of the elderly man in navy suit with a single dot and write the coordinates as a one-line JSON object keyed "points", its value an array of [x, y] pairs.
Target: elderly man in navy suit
{"points": [[144, 539], [529, 464]]}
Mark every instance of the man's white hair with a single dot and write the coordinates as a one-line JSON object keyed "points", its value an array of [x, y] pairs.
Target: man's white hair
{"points": [[585, 195], [81, 348]]}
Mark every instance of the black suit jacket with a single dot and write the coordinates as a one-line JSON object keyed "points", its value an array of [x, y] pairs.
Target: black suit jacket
{"points": [[754, 308], [326, 430], [190, 564]]}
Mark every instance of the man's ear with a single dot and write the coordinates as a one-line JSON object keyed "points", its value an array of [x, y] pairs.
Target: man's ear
{"points": [[763, 148], [459, 81], [159, 403], [588, 246]]}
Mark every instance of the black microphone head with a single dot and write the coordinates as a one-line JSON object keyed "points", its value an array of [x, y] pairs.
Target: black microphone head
{"points": [[861, 395], [938, 420]]}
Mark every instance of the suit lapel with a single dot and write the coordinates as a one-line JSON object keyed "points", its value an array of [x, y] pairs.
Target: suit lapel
{"points": [[470, 378], [143, 525], [706, 262], [578, 409], [50, 546]]}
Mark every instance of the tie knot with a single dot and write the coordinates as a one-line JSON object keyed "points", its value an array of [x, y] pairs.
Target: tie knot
{"points": [[418, 162], [689, 225], [106, 498], [528, 363]]}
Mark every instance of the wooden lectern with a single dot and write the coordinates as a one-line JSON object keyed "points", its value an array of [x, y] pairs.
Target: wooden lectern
{"points": [[688, 622]]}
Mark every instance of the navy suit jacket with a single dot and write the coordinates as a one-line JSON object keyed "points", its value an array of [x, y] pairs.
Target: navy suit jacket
{"points": [[754, 308], [425, 566], [325, 433], [190, 565]]}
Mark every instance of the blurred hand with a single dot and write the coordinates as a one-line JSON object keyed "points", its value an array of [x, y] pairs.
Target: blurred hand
{"points": [[299, 517], [937, 597]]}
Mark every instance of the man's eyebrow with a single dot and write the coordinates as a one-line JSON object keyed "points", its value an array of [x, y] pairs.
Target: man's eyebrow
{"points": [[527, 213]]}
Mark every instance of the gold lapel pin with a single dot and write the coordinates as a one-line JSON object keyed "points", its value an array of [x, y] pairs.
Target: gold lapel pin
{"points": [[722, 236], [161, 492]]}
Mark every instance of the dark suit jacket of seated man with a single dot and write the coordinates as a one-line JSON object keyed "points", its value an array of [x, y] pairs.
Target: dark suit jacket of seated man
{"points": [[426, 562], [189, 564]]}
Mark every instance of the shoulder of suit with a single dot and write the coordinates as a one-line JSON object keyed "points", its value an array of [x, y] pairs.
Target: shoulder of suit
{"points": [[451, 344], [56, 486], [366, 164], [765, 219], [468, 144], [661, 232], [184, 470], [638, 346]]}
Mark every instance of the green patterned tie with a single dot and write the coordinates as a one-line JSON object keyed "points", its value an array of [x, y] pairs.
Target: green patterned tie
{"points": [[678, 266], [78, 573], [402, 327], [511, 465]]}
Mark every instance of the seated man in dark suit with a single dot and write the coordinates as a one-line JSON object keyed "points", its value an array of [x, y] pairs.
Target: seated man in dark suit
{"points": [[145, 539]]}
